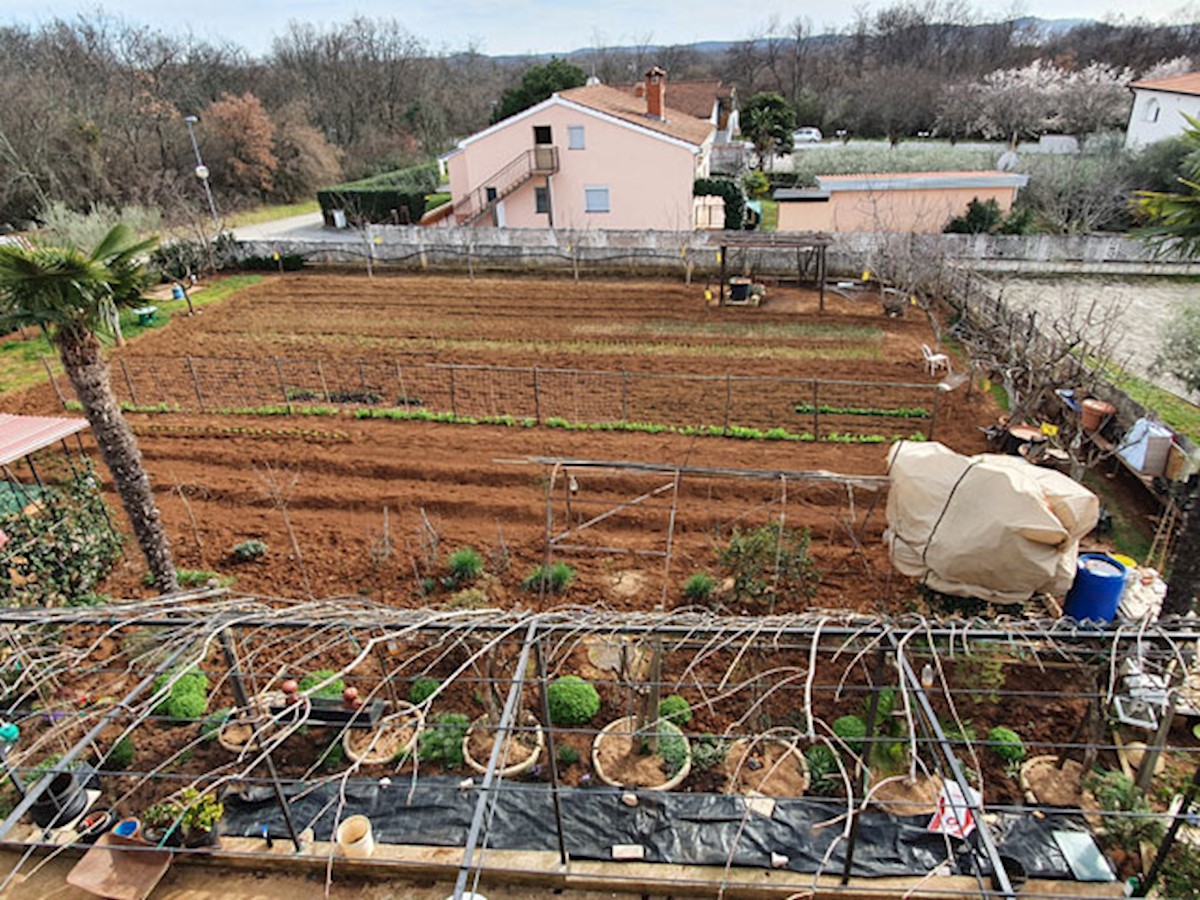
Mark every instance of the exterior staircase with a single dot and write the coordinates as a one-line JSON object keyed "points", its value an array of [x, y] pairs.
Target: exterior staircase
{"points": [[541, 160]]}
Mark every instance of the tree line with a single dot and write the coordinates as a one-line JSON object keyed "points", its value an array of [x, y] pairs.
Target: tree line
{"points": [[94, 106]]}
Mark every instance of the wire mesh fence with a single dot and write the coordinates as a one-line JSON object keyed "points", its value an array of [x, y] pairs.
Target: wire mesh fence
{"points": [[813, 408]]}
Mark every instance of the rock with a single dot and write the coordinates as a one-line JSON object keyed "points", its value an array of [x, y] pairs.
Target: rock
{"points": [[753, 764], [778, 861], [466, 784], [629, 798]]}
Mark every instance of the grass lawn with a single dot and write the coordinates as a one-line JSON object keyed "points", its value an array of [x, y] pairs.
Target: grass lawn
{"points": [[20, 360], [770, 216], [271, 213]]}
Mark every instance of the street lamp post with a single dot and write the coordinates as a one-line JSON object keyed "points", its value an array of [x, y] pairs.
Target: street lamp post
{"points": [[202, 171]]}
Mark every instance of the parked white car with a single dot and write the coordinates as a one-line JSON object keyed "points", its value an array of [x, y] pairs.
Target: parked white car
{"points": [[806, 135]]}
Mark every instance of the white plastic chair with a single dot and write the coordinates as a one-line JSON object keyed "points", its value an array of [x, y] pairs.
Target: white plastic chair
{"points": [[935, 361]]}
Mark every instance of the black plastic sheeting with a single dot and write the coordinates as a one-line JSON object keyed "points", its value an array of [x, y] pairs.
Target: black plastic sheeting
{"points": [[699, 829]]}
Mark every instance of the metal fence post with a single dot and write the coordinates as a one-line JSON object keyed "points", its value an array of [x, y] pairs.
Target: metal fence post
{"points": [[196, 383], [537, 396], [128, 381]]}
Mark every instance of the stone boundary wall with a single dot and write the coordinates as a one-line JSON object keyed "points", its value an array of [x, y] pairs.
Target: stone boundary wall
{"points": [[615, 252]]}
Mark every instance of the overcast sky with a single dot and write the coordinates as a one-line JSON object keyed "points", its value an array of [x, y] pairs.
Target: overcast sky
{"points": [[538, 26]]}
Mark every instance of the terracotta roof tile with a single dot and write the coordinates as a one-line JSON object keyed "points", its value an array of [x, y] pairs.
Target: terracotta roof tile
{"points": [[1179, 84], [696, 98], [610, 100]]}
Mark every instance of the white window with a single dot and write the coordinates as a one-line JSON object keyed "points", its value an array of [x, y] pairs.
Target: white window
{"points": [[595, 198], [575, 137]]}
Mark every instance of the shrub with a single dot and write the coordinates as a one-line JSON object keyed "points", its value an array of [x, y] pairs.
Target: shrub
{"points": [[248, 551], [1006, 744], [555, 578], [824, 774], [699, 587], [708, 751], [333, 757], [769, 563], [331, 691], [465, 565], [672, 748], [72, 514], [441, 741], [568, 756], [852, 730], [211, 726], [572, 701], [422, 689], [188, 696], [1136, 821], [122, 752], [676, 710]]}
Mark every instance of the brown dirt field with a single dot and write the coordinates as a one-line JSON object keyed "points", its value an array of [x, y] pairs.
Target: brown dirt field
{"points": [[221, 479]]}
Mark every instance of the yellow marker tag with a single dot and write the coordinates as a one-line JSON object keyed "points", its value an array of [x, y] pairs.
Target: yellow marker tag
{"points": [[683, 251], [718, 256], [912, 301], [866, 275], [378, 240], [275, 256], [568, 248], [1049, 430], [708, 295]]}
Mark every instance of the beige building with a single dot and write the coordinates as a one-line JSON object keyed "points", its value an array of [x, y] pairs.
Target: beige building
{"points": [[920, 202]]}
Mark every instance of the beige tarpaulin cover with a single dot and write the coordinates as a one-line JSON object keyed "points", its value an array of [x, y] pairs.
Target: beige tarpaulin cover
{"points": [[990, 526]]}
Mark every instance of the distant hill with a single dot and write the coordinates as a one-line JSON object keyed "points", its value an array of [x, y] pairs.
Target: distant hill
{"points": [[1041, 29]]}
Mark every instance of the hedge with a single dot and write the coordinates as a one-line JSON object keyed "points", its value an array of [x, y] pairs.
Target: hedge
{"points": [[382, 198]]}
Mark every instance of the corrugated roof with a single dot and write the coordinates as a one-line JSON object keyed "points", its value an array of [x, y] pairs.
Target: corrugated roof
{"points": [[675, 123], [1179, 84], [22, 435], [920, 180]]}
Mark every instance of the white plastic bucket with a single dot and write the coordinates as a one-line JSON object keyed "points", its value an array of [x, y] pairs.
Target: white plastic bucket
{"points": [[354, 837]]}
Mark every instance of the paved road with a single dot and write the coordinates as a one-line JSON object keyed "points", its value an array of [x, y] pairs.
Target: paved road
{"points": [[308, 227], [1136, 308]]}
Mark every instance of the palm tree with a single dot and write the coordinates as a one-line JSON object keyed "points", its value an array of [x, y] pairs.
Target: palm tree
{"points": [[74, 295]]}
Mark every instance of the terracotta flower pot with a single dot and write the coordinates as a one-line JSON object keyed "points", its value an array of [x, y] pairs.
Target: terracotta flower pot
{"points": [[623, 727], [376, 749], [517, 768]]}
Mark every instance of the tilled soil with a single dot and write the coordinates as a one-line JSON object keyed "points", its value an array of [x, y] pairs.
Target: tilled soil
{"points": [[373, 507]]}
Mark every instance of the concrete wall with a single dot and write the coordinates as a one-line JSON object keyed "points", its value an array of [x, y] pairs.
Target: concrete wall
{"points": [[673, 251]]}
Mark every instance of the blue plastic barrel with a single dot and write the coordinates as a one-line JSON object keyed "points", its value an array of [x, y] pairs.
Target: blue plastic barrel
{"points": [[177, 293], [1096, 591]]}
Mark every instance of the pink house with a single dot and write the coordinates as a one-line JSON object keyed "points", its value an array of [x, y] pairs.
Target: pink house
{"points": [[593, 157]]}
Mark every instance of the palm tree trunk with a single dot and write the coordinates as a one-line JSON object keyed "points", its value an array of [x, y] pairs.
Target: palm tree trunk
{"points": [[86, 367]]}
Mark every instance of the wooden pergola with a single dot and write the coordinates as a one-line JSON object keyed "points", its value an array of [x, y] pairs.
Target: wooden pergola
{"points": [[810, 247]]}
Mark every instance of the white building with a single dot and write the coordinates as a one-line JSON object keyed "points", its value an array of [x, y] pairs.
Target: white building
{"points": [[1159, 107]]}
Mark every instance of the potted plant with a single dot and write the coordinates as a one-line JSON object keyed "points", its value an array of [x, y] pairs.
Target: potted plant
{"points": [[522, 746], [647, 750], [188, 819]]}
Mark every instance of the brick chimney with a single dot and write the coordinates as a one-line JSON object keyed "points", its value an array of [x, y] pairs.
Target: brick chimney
{"points": [[656, 92]]}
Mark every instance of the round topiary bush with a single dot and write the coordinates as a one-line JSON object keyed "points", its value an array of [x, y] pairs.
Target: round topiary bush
{"points": [[572, 701], [422, 689], [676, 710], [852, 730], [1006, 744], [699, 587], [188, 696]]}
